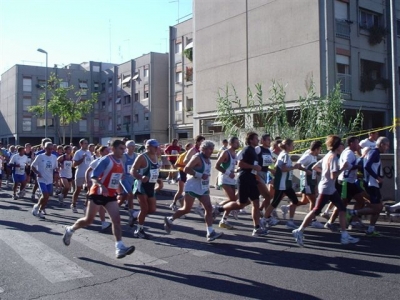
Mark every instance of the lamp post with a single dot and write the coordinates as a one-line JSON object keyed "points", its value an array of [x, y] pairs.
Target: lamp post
{"points": [[45, 94]]}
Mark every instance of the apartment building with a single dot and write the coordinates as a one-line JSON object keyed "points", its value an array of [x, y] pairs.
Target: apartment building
{"points": [[247, 42], [181, 80], [132, 101]]}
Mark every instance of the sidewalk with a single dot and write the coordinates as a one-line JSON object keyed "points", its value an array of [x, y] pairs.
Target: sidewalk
{"points": [[169, 190]]}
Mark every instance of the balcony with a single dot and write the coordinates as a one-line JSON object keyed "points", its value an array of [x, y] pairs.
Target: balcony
{"points": [[345, 83], [342, 29]]}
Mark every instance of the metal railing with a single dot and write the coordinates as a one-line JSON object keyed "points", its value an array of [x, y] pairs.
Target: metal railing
{"points": [[342, 29], [345, 83]]}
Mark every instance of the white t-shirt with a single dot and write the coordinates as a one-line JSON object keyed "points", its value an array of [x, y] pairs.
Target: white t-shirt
{"points": [[367, 144], [45, 165], [351, 159], [81, 169], [21, 161]]}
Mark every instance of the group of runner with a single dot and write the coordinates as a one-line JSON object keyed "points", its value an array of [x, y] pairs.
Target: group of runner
{"points": [[114, 174]]}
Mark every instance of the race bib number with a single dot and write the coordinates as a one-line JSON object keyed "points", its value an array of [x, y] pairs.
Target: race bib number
{"points": [[128, 168], [174, 152], [290, 175], [267, 160], [49, 165], [114, 181], [67, 164], [254, 171], [154, 175], [88, 159], [205, 184], [20, 170]]}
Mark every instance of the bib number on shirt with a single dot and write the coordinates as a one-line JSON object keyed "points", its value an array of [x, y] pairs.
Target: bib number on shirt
{"points": [[68, 165], [128, 168], [205, 184], [114, 181], [154, 175], [290, 175], [314, 175], [267, 160]]}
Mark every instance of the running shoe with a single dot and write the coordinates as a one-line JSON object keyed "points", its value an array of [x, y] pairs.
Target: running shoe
{"points": [[234, 214], [317, 224], [35, 210], [15, 197], [199, 210], [373, 234], [132, 220], [331, 227], [105, 225], [243, 211], [122, 252], [44, 211], [285, 210], [356, 225], [326, 215], [348, 239], [260, 232], [272, 221], [298, 237], [263, 222], [213, 236], [173, 207], [141, 234], [215, 211], [225, 224], [167, 225], [291, 225], [67, 236], [74, 209]]}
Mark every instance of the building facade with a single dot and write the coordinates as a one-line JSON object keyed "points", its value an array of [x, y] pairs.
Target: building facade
{"points": [[181, 80], [132, 101], [243, 43]]}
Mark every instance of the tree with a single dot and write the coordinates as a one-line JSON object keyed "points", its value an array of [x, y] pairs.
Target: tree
{"points": [[67, 105]]}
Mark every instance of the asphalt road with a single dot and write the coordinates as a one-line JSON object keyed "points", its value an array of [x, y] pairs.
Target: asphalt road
{"points": [[35, 264]]}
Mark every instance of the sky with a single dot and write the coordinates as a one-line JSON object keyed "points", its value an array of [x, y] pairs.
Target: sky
{"points": [[75, 31]]}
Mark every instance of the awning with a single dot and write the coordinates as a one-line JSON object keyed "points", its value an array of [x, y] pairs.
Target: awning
{"points": [[83, 85], [127, 79], [188, 46], [118, 101], [136, 76]]}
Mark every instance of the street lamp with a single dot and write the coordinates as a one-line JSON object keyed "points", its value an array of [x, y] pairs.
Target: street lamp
{"points": [[45, 94]]}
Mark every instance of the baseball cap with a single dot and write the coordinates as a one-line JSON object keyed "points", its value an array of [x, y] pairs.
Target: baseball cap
{"points": [[152, 142]]}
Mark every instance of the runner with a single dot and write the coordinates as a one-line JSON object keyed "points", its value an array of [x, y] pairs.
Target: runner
{"points": [[40, 151], [226, 165], [265, 160], [172, 151], [373, 184], [145, 170], [247, 184], [65, 164], [370, 142], [30, 155], [197, 186], [105, 178], [220, 151], [43, 166], [102, 151], [82, 159], [127, 181], [283, 184], [18, 163], [181, 178], [327, 192]]}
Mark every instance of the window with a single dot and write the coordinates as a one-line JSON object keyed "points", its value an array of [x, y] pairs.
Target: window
{"points": [[146, 91], [96, 69], [136, 118], [178, 77], [369, 19], [96, 86], [178, 105], [110, 83], [110, 124], [27, 84], [83, 88], [127, 99], [146, 73], [178, 96], [96, 124], [189, 104], [103, 104], [118, 101], [146, 116], [27, 124], [26, 103], [119, 123], [103, 86], [127, 120], [63, 84], [41, 84], [178, 47], [341, 10], [82, 125], [137, 98], [126, 82], [109, 105]]}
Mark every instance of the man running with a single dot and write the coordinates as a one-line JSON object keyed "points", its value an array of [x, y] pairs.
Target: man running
{"points": [[82, 159], [197, 186], [65, 164], [172, 151], [105, 177], [43, 166], [18, 163]]}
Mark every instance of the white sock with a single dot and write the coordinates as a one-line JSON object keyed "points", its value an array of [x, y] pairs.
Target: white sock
{"points": [[210, 230], [119, 245], [69, 229]]}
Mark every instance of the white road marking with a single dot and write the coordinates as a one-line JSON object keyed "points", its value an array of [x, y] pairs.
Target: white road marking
{"points": [[48, 262]]}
